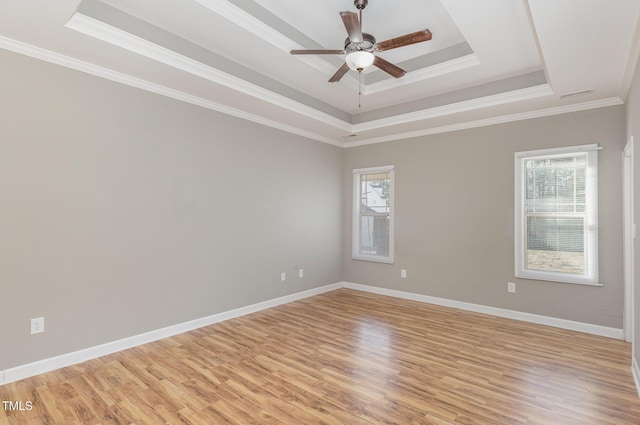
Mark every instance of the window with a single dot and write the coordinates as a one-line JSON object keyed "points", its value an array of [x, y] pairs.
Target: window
{"points": [[373, 214], [556, 222]]}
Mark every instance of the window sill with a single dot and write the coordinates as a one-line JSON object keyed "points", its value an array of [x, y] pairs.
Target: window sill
{"points": [[559, 278], [371, 258]]}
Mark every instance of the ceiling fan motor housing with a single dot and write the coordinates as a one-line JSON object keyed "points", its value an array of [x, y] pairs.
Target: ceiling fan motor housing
{"points": [[368, 44], [360, 4]]}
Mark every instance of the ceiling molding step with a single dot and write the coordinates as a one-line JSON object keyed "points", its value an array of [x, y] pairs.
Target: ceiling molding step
{"points": [[536, 39], [255, 26], [250, 23], [98, 71], [522, 81], [115, 36], [453, 108], [88, 68], [432, 71], [632, 62], [613, 101]]}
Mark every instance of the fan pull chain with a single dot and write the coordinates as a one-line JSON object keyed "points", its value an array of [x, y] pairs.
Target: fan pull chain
{"points": [[360, 70], [359, 87]]}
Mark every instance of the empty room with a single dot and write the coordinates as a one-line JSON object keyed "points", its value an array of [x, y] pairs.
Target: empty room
{"points": [[336, 212]]}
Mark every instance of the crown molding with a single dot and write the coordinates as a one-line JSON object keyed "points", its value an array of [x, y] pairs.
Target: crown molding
{"points": [[454, 108], [115, 36], [98, 71], [613, 101], [88, 68]]}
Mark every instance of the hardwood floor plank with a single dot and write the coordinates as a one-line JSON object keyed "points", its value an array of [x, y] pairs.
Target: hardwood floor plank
{"points": [[346, 357]]}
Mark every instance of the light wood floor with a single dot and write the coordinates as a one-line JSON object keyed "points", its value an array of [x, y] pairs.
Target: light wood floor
{"points": [[347, 358]]}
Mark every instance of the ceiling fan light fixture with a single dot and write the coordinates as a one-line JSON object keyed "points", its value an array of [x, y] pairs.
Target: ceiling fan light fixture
{"points": [[360, 60]]}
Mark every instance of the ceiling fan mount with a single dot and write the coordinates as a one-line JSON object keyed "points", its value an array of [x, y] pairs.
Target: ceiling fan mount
{"points": [[359, 46], [360, 4]]}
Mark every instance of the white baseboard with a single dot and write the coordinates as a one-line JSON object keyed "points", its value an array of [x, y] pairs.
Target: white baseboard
{"points": [[635, 370], [494, 311], [68, 359]]}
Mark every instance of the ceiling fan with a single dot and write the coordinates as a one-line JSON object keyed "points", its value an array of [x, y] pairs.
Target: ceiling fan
{"points": [[360, 46]]}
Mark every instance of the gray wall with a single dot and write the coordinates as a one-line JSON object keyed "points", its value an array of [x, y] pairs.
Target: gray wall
{"points": [[633, 129], [124, 212], [454, 216]]}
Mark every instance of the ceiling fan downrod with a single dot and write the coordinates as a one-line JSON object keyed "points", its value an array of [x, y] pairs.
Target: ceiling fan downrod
{"points": [[360, 5]]}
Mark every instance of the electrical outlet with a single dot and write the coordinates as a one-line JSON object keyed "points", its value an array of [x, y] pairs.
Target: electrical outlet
{"points": [[283, 277], [403, 273], [37, 325], [300, 273], [511, 287]]}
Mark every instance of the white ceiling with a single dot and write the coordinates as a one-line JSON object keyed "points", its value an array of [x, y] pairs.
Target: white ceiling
{"points": [[489, 61]]}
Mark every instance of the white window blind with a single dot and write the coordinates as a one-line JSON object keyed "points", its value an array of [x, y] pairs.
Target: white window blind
{"points": [[556, 223], [373, 214]]}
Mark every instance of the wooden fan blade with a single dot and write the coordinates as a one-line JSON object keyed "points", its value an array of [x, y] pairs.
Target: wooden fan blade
{"points": [[317, 52], [352, 24], [339, 74], [404, 40], [388, 67]]}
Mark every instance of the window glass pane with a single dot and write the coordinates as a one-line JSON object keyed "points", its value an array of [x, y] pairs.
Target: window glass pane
{"points": [[556, 244], [556, 235], [374, 235], [374, 193], [373, 214], [581, 191], [555, 184]]}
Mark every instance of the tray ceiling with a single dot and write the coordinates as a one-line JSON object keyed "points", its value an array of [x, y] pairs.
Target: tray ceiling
{"points": [[488, 62]]}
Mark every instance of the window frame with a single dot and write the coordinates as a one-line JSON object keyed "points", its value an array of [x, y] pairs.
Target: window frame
{"points": [[356, 233], [591, 237]]}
